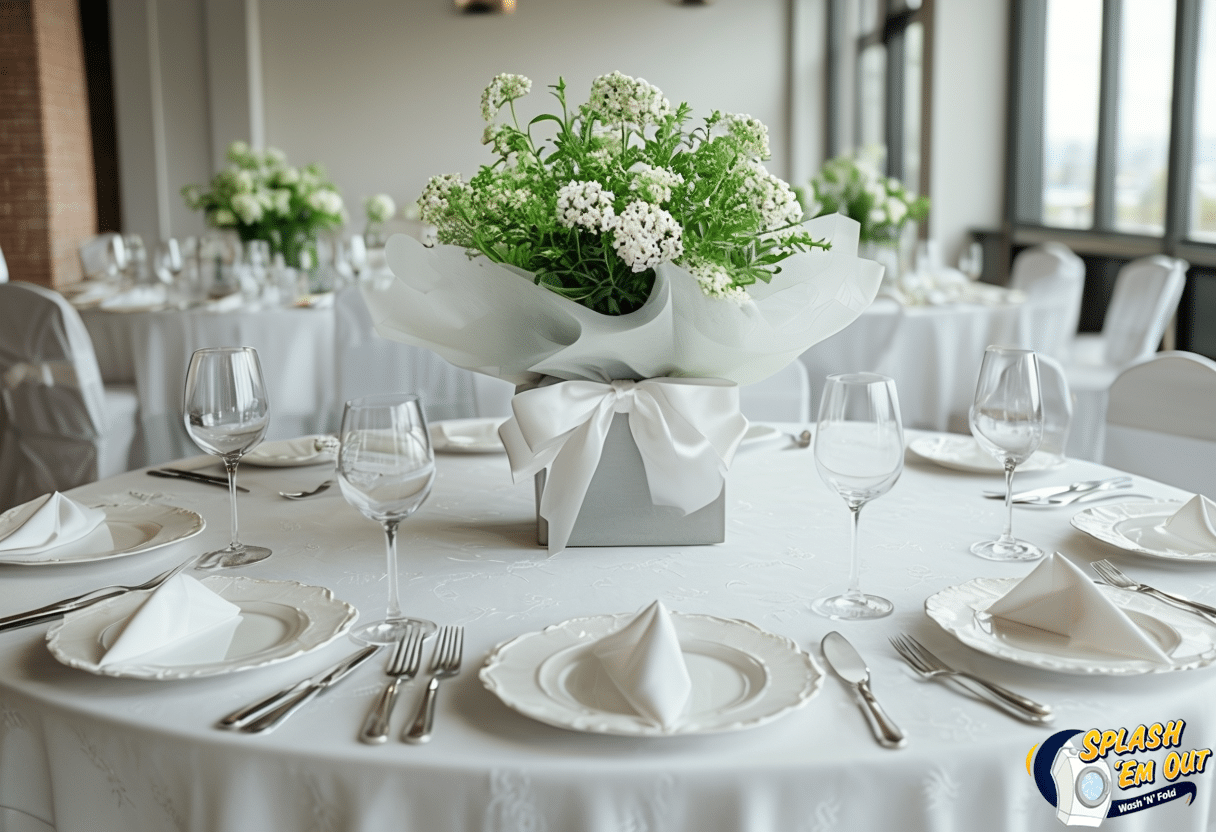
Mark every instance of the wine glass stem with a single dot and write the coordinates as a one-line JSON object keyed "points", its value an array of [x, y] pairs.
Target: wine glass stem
{"points": [[230, 466], [1007, 535], [854, 590], [394, 600]]}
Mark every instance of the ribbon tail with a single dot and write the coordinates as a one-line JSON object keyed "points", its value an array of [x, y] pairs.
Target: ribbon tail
{"points": [[570, 476], [524, 462]]}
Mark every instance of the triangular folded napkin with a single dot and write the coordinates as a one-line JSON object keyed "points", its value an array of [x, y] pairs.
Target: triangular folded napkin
{"points": [[182, 622], [645, 662], [1058, 597], [45, 523], [1195, 522]]}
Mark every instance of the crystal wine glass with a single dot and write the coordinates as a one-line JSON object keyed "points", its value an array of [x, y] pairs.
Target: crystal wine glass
{"points": [[1007, 421], [385, 469], [859, 451], [227, 413]]}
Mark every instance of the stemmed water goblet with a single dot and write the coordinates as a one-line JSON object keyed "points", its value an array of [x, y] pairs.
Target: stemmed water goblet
{"points": [[386, 468], [1007, 422], [859, 452], [226, 411]]}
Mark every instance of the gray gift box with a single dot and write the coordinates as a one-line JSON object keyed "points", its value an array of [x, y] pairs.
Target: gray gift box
{"points": [[617, 510]]}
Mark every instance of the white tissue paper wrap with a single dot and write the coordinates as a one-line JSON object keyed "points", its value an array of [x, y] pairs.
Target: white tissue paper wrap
{"points": [[1059, 598], [46, 523], [643, 659], [182, 621], [1195, 522]]}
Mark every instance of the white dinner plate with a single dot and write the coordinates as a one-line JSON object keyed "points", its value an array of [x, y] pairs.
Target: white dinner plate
{"points": [[133, 529], [467, 436], [1140, 528], [1187, 638], [289, 453], [742, 677], [963, 453], [280, 620]]}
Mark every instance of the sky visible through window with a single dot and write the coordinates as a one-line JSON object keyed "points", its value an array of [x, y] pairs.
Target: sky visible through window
{"points": [[1203, 195]]}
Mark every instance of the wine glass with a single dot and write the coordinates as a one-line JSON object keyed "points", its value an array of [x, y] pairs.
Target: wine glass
{"points": [[859, 451], [227, 413], [385, 469], [1007, 421]]}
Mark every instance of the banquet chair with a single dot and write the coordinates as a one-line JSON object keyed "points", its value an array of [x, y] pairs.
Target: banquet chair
{"points": [[3, 268], [1051, 273], [62, 427], [784, 396], [1057, 405], [1159, 421]]}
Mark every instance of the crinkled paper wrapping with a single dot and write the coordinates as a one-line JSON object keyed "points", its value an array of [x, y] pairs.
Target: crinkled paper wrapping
{"points": [[493, 319]]}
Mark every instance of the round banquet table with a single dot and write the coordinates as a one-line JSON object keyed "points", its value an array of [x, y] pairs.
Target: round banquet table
{"points": [[152, 351], [934, 352], [89, 754]]}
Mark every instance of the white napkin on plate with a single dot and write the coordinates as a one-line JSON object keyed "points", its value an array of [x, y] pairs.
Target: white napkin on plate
{"points": [[301, 449], [1059, 598], [467, 434], [47, 522], [139, 297], [1195, 521], [182, 622], [645, 662]]}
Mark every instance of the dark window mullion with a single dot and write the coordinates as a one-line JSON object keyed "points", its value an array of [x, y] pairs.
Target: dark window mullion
{"points": [[1027, 66], [894, 132], [1182, 125], [1108, 116]]}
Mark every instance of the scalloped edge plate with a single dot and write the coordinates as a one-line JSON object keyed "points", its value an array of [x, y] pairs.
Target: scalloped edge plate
{"points": [[134, 529], [743, 677], [1113, 523], [289, 453], [962, 453]]}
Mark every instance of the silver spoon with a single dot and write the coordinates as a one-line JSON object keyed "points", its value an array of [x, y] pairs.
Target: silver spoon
{"points": [[300, 495]]}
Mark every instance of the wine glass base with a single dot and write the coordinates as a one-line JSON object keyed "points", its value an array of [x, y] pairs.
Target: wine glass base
{"points": [[229, 557], [1018, 550], [853, 608], [390, 632]]}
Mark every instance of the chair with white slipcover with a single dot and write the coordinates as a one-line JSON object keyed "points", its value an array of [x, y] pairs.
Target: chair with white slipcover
{"points": [[3, 269], [1057, 405], [62, 428], [1159, 421], [1051, 273], [784, 396]]}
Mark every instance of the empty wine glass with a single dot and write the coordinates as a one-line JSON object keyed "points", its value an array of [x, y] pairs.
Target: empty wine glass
{"points": [[226, 414], [1007, 421], [859, 451], [385, 469]]}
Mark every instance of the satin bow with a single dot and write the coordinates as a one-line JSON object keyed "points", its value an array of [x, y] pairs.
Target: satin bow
{"points": [[686, 429]]}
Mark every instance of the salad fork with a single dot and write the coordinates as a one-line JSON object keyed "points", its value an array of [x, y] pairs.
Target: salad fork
{"points": [[402, 666], [444, 663], [1114, 576]]}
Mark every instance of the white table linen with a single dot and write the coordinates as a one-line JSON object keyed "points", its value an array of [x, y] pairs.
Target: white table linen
{"points": [[99, 754]]}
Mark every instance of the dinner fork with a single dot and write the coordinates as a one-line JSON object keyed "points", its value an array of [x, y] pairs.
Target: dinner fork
{"points": [[1114, 576], [402, 666], [928, 665], [302, 495], [444, 663]]}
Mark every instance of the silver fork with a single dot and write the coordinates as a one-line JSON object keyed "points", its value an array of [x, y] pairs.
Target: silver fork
{"points": [[303, 495], [444, 663], [402, 666], [1112, 575], [924, 662]]}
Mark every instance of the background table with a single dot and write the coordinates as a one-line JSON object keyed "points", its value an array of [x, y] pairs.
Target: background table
{"points": [[96, 754]]}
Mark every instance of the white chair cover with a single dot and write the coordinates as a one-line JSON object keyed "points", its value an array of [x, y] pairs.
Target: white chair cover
{"points": [[1159, 421], [1051, 273], [845, 353], [58, 419], [3, 269], [1057, 405], [1146, 296], [782, 397]]}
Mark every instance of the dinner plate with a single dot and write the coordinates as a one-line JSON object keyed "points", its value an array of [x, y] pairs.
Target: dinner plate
{"points": [[289, 453], [963, 453], [280, 620], [1187, 638], [467, 436], [741, 675], [1139, 528], [133, 529]]}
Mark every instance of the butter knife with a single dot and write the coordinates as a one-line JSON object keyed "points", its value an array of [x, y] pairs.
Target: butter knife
{"points": [[182, 474], [844, 659], [266, 714]]}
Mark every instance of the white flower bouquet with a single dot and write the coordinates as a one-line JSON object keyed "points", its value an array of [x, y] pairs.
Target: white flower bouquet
{"points": [[854, 186], [262, 197], [379, 209]]}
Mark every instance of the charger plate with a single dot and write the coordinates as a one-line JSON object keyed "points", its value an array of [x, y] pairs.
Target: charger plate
{"points": [[963, 453], [742, 677], [1187, 638], [1138, 527], [133, 529], [280, 620]]}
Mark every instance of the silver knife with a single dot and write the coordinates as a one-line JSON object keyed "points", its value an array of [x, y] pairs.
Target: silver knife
{"points": [[266, 714], [1049, 491], [849, 666], [193, 476]]}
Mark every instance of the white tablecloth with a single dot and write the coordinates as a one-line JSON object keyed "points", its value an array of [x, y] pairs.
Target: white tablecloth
{"points": [[933, 352], [94, 754]]}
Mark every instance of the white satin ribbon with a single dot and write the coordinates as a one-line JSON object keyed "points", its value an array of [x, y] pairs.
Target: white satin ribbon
{"points": [[686, 429]]}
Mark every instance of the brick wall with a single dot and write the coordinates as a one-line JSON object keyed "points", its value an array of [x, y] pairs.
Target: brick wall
{"points": [[47, 203]]}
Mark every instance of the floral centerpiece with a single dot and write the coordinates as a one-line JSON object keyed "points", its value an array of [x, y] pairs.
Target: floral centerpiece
{"points": [[617, 265], [379, 209], [854, 186], [261, 197]]}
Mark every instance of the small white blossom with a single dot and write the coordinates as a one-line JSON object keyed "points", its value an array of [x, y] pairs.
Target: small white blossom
{"points": [[325, 201], [242, 180], [897, 209], [772, 197], [281, 201], [654, 184], [505, 87], [750, 133], [275, 157], [248, 207], [239, 153], [715, 282], [379, 208], [223, 218], [436, 197], [586, 204], [877, 215], [646, 235], [498, 137], [620, 99], [502, 198], [287, 176]]}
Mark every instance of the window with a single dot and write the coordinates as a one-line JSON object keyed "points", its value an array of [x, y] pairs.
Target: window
{"points": [[1203, 184]]}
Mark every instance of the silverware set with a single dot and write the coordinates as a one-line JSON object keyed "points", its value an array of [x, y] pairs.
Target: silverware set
{"points": [[1112, 575], [1064, 495]]}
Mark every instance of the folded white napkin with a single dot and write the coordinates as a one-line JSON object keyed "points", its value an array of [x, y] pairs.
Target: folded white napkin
{"points": [[301, 449], [645, 662], [46, 523], [1195, 521], [139, 297], [182, 622], [228, 303], [467, 434], [1059, 598]]}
